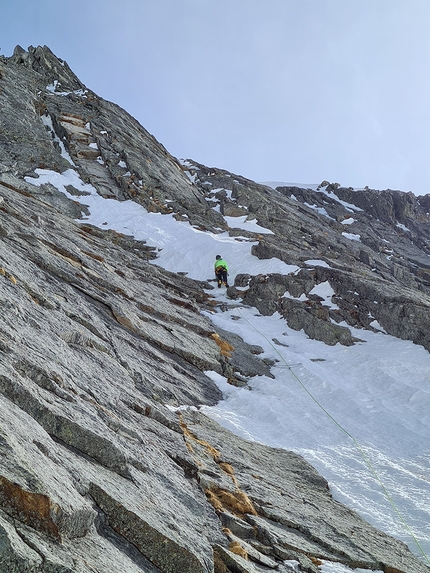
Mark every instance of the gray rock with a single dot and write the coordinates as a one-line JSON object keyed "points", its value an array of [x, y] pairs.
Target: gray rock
{"points": [[99, 348], [295, 520], [15, 555]]}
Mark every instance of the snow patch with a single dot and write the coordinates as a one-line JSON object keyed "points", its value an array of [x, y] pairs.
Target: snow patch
{"points": [[352, 236], [243, 223]]}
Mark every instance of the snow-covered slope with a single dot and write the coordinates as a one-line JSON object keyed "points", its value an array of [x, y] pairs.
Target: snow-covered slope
{"points": [[98, 346], [359, 414]]}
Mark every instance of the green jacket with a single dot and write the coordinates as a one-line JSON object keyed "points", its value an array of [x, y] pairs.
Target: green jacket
{"points": [[220, 263]]}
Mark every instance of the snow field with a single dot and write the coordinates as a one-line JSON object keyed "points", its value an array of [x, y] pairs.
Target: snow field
{"points": [[376, 391]]}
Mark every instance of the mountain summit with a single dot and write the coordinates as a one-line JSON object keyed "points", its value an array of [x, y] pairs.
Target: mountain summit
{"points": [[106, 357]]}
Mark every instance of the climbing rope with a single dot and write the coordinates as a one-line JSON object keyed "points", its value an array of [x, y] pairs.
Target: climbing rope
{"points": [[355, 442]]}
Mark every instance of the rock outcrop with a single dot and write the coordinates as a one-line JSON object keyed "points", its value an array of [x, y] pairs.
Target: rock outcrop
{"points": [[99, 347], [371, 246]]}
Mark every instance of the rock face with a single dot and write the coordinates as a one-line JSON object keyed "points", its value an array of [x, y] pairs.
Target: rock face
{"points": [[98, 347], [371, 246]]}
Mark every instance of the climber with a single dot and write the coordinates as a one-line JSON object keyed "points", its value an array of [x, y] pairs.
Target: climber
{"points": [[221, 271]]}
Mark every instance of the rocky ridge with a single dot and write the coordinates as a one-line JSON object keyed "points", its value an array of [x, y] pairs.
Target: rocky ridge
{"points": [[99, 347]]}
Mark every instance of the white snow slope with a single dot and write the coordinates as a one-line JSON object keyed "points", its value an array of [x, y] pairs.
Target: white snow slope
{"points": [[359, 414]]}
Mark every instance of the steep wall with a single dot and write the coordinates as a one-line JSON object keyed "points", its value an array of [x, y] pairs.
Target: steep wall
{"points": [[98, 347]]}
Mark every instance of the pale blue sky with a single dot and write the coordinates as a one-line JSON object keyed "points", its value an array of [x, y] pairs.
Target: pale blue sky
{"points": [[284, 90]]}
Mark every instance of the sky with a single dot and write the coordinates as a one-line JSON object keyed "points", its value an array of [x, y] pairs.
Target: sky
{"points": [[274, 90], [361, 413]]}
